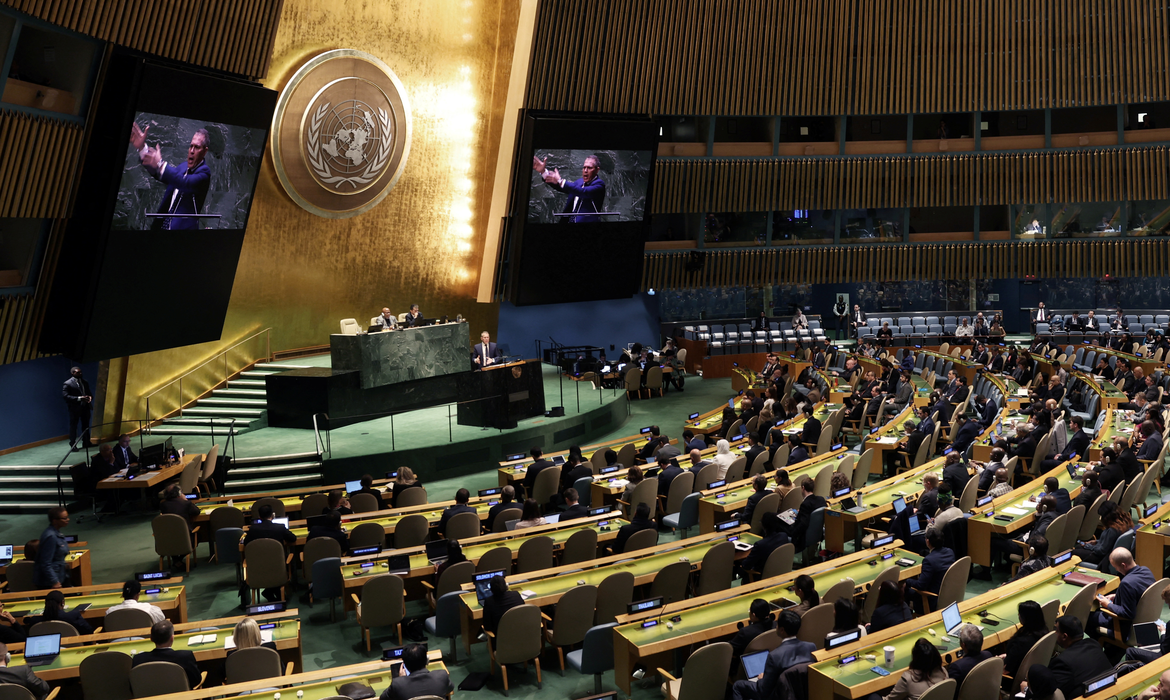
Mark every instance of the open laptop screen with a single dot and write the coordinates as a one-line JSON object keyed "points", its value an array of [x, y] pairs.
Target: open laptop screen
{"points": [[483, 583], [42, 645], [753, 664], [951, 618], [353, 486], [5, 552]]}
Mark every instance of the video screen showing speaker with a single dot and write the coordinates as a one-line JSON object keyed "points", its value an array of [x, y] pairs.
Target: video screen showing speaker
{"points": [[167, 180], [183, 174], [611, 186], [581, 205]]}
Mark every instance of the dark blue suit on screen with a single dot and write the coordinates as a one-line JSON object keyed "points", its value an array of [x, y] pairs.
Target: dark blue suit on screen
{"points": [[582, 197], [186, 191]]}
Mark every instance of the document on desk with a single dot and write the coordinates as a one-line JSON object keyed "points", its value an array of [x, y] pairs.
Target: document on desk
{"points": [[887, 440], [1013, 511]]}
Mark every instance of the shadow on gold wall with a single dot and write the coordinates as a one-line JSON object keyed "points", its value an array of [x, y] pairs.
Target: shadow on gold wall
{"points": [[300, 274]]}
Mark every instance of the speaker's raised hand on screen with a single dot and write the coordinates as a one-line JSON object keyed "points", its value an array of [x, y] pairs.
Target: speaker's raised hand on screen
{"points": [[138, 136], [538, 164]]}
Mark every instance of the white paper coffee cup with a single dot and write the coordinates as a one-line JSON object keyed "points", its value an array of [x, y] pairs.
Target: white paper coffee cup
{"points": [[889, 655]]}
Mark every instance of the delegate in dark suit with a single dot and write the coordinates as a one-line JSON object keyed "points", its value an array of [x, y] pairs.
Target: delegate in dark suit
{"points": [[420, 683], [1151, 447], [1125, 600], [582, 198], [450, 512], [959, 669], [763, 549], [666, 476], [530, 476], [24, 676], [811, 433], [186, 191], [269, 530], [75, 392], [482, 352], [573, 512], [957, 476], [934, 566], [791, 652], [799, 527], [987, 414], [180, 657], [628, 530], [966, 435], [124, 457], [1081, 661]]}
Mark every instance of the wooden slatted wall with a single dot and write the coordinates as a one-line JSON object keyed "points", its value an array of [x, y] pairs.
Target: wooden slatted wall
{"points": [[788, 57], [21, 316], [38, 157], [827, 264], [766, 184], [235, 36]]}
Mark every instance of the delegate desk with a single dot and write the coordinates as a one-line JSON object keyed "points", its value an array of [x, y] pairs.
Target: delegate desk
{"points": [[1152, 537], [79, 561], [392, 357], [513, 471], [608, 489], [884, 438], [1014, 511], [718, 615], [709, 423], [314, 685], [291, 498], [355, 571], [548, 585], [389, 518], [878, 501], [148, 479], [717, 505], [963, 368], [1133, 683], [171, 599], [286, 635], [827, 678]]}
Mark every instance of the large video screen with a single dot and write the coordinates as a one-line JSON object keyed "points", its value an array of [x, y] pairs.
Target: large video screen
{"points": [[164, 196], [185, 174], [588, 185], [581, 198]]}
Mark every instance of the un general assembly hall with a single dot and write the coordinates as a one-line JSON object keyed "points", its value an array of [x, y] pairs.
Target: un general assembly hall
{"points": [[584, 349]]}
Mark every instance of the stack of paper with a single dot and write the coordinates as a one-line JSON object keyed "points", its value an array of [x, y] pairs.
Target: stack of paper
{"points": [[204, 639]]}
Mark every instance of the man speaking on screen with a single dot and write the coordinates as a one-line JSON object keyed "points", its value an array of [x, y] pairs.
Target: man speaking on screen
{"points": [[187, 184], [585, 195]]}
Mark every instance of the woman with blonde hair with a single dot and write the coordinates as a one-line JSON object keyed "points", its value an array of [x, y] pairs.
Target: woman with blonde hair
{"points": [[405, 480], [247, 635]]}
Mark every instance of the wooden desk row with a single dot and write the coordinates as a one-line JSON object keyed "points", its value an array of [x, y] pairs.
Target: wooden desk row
{"points": [[717, 615], [547, 586], [286, 634], [171, 598], [856, 680], [79, 561]]}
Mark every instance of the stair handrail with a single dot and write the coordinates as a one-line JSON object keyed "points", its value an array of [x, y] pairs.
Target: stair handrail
{"points": [[323, 451], [222, 353]]}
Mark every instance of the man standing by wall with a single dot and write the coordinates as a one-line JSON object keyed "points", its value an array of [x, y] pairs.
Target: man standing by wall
{"points": [[79, 400]]}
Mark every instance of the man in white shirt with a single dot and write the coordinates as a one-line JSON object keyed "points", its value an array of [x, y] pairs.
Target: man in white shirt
{"points": [[130, 592]]}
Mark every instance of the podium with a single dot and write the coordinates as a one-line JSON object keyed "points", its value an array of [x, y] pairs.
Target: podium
{"points": [[501, 395]]}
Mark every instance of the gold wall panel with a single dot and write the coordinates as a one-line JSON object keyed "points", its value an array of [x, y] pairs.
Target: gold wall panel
{"points": [[743, 57], [889, 263], [766, 184], [35, 182], [301, 274], [229, 35]]}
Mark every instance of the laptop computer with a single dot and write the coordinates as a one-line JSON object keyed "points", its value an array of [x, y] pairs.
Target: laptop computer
{"points": [[482, 583], [398, 564], [915, 527], [1147, 635], [550, 519], [753, 663], [951, 618], [788, 516], [281, 521], [352, 486], [42, 649], [5, 554], [375, 328], [899, 505], [437, 551]]}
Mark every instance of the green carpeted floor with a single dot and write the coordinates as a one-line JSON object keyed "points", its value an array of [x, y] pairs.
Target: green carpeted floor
{"points": [[123, 545]]}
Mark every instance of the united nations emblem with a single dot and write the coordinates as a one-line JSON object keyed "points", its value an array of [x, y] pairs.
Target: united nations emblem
{"points": [[349, 146]]}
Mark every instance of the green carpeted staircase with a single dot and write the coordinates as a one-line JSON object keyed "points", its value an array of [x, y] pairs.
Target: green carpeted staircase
{"points": [[273, 472], [32, 488], [244, 400]]}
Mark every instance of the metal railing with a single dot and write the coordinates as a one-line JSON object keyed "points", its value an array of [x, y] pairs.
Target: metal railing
{"points": [[216, 360], [324, 448]]}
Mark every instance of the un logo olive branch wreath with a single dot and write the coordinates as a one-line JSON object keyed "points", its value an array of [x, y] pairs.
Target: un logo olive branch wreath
{"points": [[321, 168]]}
